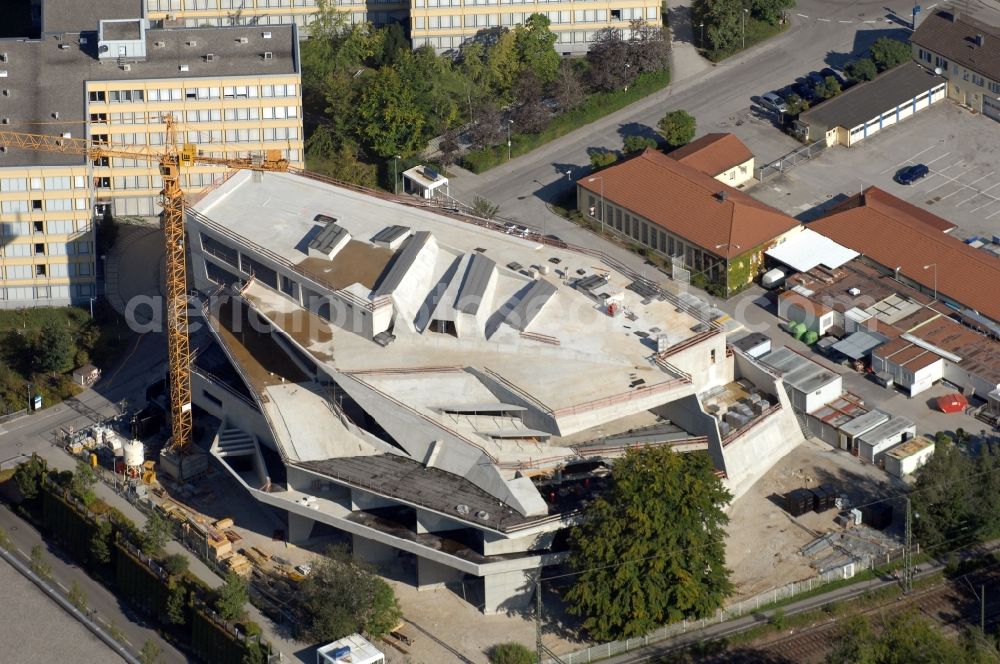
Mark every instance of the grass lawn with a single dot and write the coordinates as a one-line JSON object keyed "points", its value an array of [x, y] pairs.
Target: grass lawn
{"points": [[98, 341]]}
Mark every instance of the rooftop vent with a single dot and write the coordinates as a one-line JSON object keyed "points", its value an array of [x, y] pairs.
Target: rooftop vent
{"points": [[193, 42], [980, 40], [3, 57], [159, 44], [66, 134], [722, 196], [83, 40], [126, 67], [183, 67], [244, 40], [4, 120], [854, 291], [6, 92], [64, 46], [3, 73], [55, 115], [268, 55], [209, 57], [483, 514], [462, 509], [266, 35], [3, 148]]}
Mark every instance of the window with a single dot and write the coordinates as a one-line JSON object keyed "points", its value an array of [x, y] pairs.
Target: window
{"points": [[40, 270], [97, 95], [36, 205]]}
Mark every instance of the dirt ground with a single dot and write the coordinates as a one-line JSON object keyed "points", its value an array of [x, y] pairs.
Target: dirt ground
{"points": [[763, 542]]}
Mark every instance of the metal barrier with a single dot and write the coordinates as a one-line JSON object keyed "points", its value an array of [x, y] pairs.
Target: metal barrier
{"points": [[791, 160]]}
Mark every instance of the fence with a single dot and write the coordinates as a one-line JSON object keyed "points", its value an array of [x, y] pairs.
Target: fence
{"points": [[791, 160], [748, 606]]}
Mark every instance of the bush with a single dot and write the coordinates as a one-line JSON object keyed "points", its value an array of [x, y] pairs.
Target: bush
{"points": [[633, 144], [860, 70], [511, 653], [602, 159], [887, 53]]}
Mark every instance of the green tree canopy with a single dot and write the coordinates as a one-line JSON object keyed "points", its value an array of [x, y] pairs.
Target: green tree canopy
{"points": [[888, 52], [55, 348], [388, 117], [903, 639], [154, 535], [860, 70], [769, 10], [677, 128], [635, 143], [652, 550], [534, 42], [340, 597], [232, 597], [830, 87], [511, 653], [28, 476]]}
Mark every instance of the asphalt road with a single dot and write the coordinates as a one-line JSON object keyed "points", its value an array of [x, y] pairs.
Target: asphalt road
{"points": [[106, 607]]}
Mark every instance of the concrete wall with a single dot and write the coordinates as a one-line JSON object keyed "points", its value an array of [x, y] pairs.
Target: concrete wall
{"points": [[751, 455], [508, 590], [497, 544], [233, 409], [707, 370], [688, 414], [435, 575]]}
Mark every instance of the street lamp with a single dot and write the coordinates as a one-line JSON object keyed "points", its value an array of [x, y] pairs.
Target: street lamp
{"points": [[92, 307], [509, 123], [702, 42], [627, 65], [29, 396], [744, 16], [395, 175], [601, 178], [933, 265]]}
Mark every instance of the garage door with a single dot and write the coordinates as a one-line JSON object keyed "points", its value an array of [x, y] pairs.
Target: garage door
{"points": [[991, 108]]}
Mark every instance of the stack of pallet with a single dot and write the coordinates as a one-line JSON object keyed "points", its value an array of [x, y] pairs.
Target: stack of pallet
{"points": [[218, 545], [239, 564]]}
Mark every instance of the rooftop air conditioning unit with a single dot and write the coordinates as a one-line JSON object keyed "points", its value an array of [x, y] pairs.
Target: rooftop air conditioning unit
{"points": [[4, 120], [64, 46], [266, 35], [183, 67], [244, 40], [55, 115], [159, 44], [854, 291], [66, 134], [209, 57], [3, 57], [6, 92], [126, 67], [3, 148], [192, 43], [268, 55]]}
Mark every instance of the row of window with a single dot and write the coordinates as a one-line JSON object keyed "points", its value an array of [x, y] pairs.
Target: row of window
{"points": [[56, 183], [516, 18], [456, 41], [22, 293], [52, 226], [14, 272], [974, 78], [28, 249], [43, 205], [204, 5], [210, 92]]}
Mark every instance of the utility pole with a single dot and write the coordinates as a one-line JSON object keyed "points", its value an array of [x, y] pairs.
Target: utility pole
{"points": [[538, 616], [982, 608], [908, 551]]}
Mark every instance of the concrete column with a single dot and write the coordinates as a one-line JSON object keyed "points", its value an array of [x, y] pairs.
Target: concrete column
{"points": [[299, 528], [432, 574], [373, 552], [508, 590]]}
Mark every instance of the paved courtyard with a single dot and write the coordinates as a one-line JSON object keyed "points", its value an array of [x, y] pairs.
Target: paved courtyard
{"points": [[961, 149]]}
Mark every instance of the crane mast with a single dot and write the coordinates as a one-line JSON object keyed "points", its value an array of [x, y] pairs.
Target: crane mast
{"points": [[170, 161]]}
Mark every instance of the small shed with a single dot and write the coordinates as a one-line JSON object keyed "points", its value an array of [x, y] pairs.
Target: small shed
{"points": [[424, 181], [353, 649], [952, 403], [905, 459], [873, 445], [754, 344], [86, 375]]}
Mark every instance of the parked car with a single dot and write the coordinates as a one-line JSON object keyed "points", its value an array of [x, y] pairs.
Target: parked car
{"points": [[910, 174], [814, 78], [774, 102], [804, 90]]}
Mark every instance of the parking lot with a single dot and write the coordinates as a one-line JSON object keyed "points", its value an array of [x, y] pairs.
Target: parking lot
{"points": [[962, 151]]}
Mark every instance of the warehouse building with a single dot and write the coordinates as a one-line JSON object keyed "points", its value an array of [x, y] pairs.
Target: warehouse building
{"points": [[872, 445], [810, 385]]}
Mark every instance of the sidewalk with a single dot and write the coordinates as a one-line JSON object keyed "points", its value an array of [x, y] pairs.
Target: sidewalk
{"points": [[685, 61]]}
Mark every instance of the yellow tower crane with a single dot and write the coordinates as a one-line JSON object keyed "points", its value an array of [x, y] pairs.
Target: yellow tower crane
{"points": [[172, 200]]}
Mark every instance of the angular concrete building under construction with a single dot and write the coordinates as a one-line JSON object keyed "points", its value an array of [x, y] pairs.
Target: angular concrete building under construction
{"points": [[446, 394]]}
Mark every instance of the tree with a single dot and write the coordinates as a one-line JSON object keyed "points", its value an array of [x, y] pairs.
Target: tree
{"points": [[635, 143], [723, 23], [830, 87], [795, 105], [535, 47], [502, 65], [176, 564], [176, 603], [39, 565], [567, 88], [651, 551], [602, 159], [511, 653], [388, 120], [449, 148], [860, 70], [154, 535], [769, 10], [55, 349], [232, 597], [151, 653], [100, 542], [887, 52], [83, 482], [530, 116], [677, 128], [944, 497], [340, 597], [648, 47], [77, 597], [484, 208], [608, 57], [28, 476], [486, 129], [905, 638], [341, 163]]}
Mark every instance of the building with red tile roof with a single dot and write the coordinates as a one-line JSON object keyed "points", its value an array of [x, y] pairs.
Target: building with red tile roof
{"points": [[900, 238], [723, 156], [682, 213]]}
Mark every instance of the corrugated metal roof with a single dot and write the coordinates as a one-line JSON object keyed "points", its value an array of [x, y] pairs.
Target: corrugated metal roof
{"points": [[866, 422], [860, 344], [891, 429]]}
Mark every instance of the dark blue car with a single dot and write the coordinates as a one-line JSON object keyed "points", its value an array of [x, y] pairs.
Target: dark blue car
{"points": [[910, 174]]}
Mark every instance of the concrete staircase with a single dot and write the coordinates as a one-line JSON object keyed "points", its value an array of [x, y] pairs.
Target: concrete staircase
{"points": [[233, 443]]}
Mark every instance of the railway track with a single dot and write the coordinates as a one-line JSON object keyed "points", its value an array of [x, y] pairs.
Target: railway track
{"points": [[951, 604]]}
